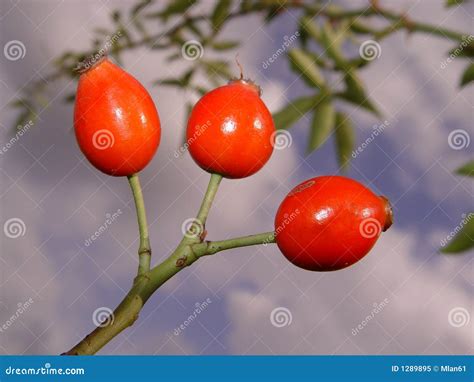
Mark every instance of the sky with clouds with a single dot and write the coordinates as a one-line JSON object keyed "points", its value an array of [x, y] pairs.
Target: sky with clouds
{"points": [[62, 200]]}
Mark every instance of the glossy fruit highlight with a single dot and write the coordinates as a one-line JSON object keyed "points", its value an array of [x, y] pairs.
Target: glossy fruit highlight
{"points": [[115, 120], [330, 222], [230, 130]]}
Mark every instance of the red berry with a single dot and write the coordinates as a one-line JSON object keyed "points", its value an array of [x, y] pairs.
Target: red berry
{"points": [[115, 120], [230, 130], [330, 222]]}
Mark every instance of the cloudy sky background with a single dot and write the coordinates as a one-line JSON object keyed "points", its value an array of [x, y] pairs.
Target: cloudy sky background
{"points": [[46, 182]]}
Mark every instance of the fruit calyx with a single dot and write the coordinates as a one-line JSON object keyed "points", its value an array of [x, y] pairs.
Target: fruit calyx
{"points": [[245, 81], [90, 62], [388, 213]]}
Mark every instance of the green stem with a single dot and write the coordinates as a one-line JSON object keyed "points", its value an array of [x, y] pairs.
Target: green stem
{"points": [[212, 247], [209, 198], [144, 249]]}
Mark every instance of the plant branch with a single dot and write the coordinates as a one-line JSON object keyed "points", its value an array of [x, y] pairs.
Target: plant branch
{"points": [[145, 285], [144, 250], [209, 198], [212, 247]]}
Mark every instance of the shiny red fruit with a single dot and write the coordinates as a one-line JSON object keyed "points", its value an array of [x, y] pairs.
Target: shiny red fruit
{"points": [[230, 131], [115, 120], [330, 222]]}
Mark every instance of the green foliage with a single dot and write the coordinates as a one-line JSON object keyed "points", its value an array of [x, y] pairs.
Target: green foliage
{"points": [[293, 112], [464, 238], [303, 64], [221, 11], [467, 169], [324, 118], [344, 140], [317, 57], [468, 75]]}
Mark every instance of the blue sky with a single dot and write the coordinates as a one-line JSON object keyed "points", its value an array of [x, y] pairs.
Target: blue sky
{"points": [[62, 200]]}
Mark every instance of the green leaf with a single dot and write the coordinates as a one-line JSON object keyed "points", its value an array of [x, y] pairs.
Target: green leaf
{"points": [[332, 41], [302, 63], [311, 28], [293, 112], [464, 236], [468, 75], [225, 45], [245, 5], [217, 68], [467, 169], [344, 139], [273, 11], [168, 82], [462, 50], [323, 122], [174, 7], [221, 11], [450, 3], [193, 27], [355, 92], [139, 7]]}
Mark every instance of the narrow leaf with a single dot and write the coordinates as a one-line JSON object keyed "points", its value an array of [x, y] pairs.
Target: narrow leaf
{"points": [[331, 41], [322, 125], [301, 62], [355, 92], [225, 45], [468, 75], [344, 140], [464, 236], [311, 28], [292, 112], [450, 3], [221, 11], [467, 169], [178, 6], [217, 69]]}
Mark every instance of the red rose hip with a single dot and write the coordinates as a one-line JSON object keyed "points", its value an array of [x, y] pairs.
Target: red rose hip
{"points": [[230, 130], [330, 222], [115, 120]]}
